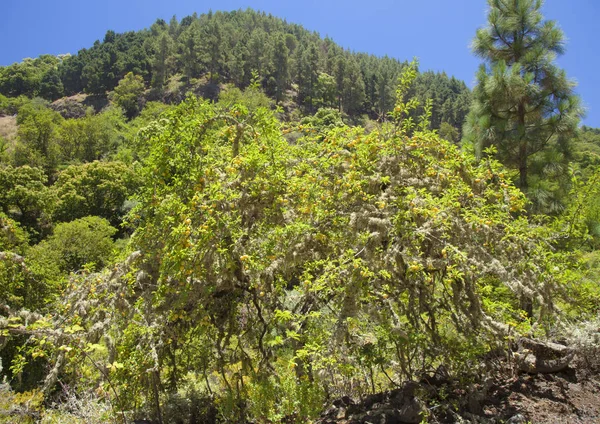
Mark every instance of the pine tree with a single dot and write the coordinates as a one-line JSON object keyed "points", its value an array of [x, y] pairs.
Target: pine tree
{"points": [[212, 44], [281, 67], [174, 28], [308, 76], [258, 53], [523, 103], [385, 89], [190, 50], [237, 64], [163, 60], [340, 72], [354, 87]]}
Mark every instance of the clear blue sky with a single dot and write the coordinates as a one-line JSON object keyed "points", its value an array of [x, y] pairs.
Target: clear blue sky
{"points": [[438, 32]]}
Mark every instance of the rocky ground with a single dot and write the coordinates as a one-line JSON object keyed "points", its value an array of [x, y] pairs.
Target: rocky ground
{"points": [[544, 398], [536, 383], [8, 127], [77, 105], [567, 391]]}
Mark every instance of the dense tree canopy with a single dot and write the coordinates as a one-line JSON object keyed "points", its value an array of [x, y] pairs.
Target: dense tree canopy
{"points": [[73, 245], [230, 47], [128, 93], [94, 189], [25, 197], [32, 77]]}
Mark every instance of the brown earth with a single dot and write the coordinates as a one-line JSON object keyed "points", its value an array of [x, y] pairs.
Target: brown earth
{"points": [[8, 132], [564, 397], [174, 92], [8, 127], [76, 106], [568, 397]]}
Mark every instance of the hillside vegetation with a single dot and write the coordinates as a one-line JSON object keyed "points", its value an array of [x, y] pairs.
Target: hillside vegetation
{"points": [[236, 47], [230, 219]]}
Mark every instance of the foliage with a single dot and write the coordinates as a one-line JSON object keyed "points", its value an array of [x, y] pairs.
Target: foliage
{"points": [[232, 46], [273, 263], [4, 146], [25, 198], [326, 91], [14, 284], [252, 98], [96, 188], [586, 339], [37, 136], [51, 86], [73, 245], [27, 406], [523, 103], [280, 272], [451, 99], [586, 158], [13, 238], [582, 214], [127, 93], [586, 149], [448, 132], [92, 137], [324, 120], [32, 77], [11, 105]]}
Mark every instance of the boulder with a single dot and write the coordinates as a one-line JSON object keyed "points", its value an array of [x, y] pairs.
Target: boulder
{"points": [[400, 406], [535, 356]]}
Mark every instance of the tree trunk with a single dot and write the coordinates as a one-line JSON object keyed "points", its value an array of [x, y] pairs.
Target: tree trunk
{"points": [[156, 392], [523, 153], [526, 301], [523, 167]]}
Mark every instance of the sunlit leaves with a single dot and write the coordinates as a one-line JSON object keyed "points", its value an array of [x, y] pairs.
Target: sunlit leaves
{"points": [[259, 262], [306, 249]]}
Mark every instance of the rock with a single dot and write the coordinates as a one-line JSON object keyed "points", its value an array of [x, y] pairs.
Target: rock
{"points": [[343, 401], [517, 419], [388, 416], [372, 400], [440, 377], [400, 406], [534, 356], [69, 108], [407, 407], [412, 412], [330, 412], [341, 414]]}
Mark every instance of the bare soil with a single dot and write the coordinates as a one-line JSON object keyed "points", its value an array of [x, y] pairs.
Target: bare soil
{"points": [[76, 106], [8, 127], [570, 397], [564, 397], [8, 132]]}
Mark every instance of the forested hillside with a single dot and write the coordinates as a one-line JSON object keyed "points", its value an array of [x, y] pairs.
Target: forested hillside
{"points": [[236, 47], [227, 218]]}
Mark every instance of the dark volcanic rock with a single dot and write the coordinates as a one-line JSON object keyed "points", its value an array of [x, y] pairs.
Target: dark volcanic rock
{"points": [[534, 356], [399, 406]]}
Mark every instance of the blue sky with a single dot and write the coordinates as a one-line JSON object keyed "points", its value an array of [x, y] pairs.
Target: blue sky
{"points": [[438, 32]]}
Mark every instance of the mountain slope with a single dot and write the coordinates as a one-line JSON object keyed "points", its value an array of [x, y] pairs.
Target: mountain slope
{"points": [[238, 47]]}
